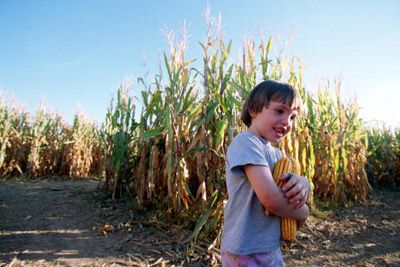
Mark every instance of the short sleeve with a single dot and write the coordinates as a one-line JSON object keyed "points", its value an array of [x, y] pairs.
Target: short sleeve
{"points": [[246, 149]]}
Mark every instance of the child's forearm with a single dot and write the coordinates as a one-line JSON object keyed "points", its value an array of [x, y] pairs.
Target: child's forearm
{"points": [[300, 214], [270, 195]]}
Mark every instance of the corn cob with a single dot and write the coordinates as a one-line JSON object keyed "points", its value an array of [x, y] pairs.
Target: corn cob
{"points": [[282, 166]]}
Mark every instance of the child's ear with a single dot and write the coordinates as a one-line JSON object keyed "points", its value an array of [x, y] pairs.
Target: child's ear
{"points": [[252, 113]]}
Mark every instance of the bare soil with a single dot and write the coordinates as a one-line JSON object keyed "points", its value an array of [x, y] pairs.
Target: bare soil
{"points": [[56, 222]]}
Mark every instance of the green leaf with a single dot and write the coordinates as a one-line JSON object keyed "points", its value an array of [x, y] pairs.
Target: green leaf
{"points": [[210, 111], [204, 217], [153, 132], [219, 134]]}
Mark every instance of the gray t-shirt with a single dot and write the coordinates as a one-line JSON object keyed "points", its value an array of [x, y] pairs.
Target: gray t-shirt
{"points": [[246, 228]]}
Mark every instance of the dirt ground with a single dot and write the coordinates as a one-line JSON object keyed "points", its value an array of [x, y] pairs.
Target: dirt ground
{"points": [[55, 222]]}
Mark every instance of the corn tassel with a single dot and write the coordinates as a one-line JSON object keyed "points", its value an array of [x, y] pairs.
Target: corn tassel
{"points": [[283, 166]]}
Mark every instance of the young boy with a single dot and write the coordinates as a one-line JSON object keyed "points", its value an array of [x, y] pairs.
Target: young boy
{"points": [[250, 238]]}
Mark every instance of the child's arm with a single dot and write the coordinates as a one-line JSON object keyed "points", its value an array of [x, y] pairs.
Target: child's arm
{"points": [[270, 195]]}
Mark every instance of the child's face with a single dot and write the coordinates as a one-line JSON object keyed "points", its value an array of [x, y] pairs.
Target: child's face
{"points": [[274, 122]]}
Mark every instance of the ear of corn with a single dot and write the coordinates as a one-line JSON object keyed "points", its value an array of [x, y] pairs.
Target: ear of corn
{"points": [[282, 166]]}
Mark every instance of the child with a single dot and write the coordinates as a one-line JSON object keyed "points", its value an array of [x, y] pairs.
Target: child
{"points": [[250, 238]]}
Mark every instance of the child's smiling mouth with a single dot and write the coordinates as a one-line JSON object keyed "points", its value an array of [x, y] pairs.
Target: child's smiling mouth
{"points": [[280, 131]]}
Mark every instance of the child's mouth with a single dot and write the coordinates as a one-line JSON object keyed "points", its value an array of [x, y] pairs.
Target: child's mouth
{"points": [[280, 132]]}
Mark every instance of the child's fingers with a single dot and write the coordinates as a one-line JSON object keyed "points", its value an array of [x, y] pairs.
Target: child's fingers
{"points": [[300, 196], [300, 204], [290, 181], [292, 190], [299, 200]]}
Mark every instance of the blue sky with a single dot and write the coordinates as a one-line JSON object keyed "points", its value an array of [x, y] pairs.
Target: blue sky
{"points": [[75, 53]]}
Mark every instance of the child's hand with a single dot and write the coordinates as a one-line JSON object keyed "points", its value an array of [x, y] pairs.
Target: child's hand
{"points": [[296, 190]]}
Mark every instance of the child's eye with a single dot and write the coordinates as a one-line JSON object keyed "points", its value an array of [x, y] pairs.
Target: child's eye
{"points": [[280, 111]]}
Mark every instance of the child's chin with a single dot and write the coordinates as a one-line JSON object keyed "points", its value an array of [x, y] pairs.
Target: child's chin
{"points": [[278, 139]]}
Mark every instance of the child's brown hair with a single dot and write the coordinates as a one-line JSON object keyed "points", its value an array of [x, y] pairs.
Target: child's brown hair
{"points": [[268, 91]]}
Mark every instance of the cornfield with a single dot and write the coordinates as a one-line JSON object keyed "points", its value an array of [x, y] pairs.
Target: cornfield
{"points": [[383, 156], [170, 153]]}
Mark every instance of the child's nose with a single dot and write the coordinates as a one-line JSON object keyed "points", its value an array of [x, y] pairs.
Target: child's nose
{"points": [[286, 120]]}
